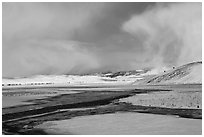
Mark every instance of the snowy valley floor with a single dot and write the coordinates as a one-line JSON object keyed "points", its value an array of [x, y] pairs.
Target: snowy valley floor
{"points": [[102, 110]]}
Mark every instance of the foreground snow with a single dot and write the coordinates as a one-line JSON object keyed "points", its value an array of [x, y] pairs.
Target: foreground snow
{"points": [[125, 124]]}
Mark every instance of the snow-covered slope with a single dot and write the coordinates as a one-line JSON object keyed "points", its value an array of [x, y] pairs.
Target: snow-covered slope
{"points": [[186, 74], [98, 78], [190, 73], [54, 79], [124, 73]]}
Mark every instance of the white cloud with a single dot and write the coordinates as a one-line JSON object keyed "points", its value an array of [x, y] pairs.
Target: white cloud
{"points": [[171, 34]]}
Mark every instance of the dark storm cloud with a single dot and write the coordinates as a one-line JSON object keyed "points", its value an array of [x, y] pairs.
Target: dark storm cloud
{"points": [[109, 21], [67, 38]]}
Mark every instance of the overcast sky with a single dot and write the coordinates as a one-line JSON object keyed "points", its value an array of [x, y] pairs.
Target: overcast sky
{"points": [[73, 38]]}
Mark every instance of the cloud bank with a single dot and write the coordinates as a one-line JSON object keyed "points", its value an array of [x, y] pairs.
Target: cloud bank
{"points": [[73, 38], [37, 38], [169, 34]]}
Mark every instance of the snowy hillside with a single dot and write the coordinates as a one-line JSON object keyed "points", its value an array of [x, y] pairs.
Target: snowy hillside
{"points": [[190, 73], [123, 77]]}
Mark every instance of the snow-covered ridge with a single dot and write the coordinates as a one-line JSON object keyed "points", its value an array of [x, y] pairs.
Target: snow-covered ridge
{"points": [[123, 77], [187, 74]]}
